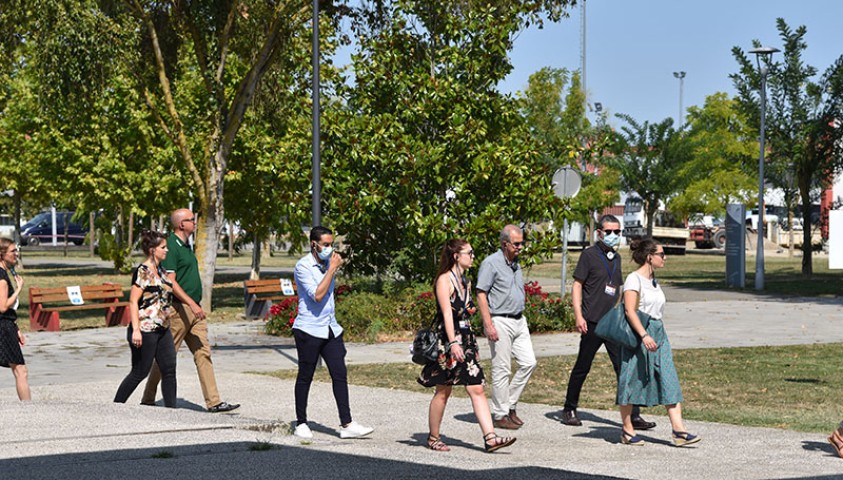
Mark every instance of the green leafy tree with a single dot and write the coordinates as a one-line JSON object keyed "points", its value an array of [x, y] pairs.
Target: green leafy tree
{"points": [[197, 66], [720, 167], [554, 107], [803, 120], [650, 159], [426, 148]]}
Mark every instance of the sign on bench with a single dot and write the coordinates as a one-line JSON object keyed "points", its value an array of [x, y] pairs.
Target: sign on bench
{"points": [[46, 303], [259, 294]]}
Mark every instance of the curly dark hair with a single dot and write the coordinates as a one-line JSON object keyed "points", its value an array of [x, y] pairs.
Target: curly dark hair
{"points": [[151, 239], [643, 248]]}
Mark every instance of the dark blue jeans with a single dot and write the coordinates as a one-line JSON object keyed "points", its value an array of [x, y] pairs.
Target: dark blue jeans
{"points": [[158, 346], [332, 350]]}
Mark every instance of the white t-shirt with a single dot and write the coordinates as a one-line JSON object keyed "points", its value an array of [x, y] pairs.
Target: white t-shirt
{"points": [[651, 299]]}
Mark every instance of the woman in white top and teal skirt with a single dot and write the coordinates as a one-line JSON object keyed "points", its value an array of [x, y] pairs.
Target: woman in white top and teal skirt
{"points": [[648, 376]]}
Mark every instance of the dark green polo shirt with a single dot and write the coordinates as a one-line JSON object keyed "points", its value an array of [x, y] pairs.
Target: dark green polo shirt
{"points": [[181, 260]]}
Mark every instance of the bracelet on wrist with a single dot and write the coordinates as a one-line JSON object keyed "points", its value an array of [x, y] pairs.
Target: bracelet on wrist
{"points": [[451, 344]]}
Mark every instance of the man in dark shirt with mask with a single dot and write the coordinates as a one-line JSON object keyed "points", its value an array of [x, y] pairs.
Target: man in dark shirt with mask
{"points": [[598, 283]]}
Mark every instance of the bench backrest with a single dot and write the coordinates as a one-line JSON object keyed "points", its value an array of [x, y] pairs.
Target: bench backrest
{"points": [[89, 292], [270, 285]]}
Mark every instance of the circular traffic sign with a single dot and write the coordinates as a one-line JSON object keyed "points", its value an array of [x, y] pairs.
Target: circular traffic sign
{"points": [[566, 182]]}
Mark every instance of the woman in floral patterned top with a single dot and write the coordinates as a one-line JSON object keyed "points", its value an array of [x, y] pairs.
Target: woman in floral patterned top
{"points": [[149, 332]]}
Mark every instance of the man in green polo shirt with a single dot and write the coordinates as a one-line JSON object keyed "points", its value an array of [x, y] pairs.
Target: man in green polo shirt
{"points": [[190, 324]]}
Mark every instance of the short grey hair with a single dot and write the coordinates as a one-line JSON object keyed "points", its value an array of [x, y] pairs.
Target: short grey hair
{"points": [[508, 230], [608, 219]]}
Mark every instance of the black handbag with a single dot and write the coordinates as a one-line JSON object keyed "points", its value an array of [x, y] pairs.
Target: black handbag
{"points": [[426, 344]]}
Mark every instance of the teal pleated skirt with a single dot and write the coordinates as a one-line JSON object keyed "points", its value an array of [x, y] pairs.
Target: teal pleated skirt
{"points": [[649, 378]]}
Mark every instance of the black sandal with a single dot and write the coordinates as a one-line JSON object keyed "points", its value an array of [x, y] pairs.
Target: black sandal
{"points": [[436, 444], [493, 442]]}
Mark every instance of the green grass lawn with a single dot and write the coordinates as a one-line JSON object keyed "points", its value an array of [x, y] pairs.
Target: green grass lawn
{"points": [[793, 387]]}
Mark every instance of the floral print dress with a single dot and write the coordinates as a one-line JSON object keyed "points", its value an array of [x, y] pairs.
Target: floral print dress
{"points": [[448, 371]]}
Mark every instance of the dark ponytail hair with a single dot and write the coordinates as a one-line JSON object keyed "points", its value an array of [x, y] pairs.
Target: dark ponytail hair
{"points": [[149, 240], [642, 248], [446, 259]]}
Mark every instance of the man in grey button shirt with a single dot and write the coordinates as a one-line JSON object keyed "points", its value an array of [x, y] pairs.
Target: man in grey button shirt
{"points": [[500, 298]]}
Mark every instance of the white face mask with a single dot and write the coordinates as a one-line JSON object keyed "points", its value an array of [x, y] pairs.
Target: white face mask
{"points": [[611, 240], [325, 253]]}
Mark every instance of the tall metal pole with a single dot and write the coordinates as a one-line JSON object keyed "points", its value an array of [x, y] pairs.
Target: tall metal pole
{"points": [[759, 256], [767, 53], [316, 208], [681, 77]]}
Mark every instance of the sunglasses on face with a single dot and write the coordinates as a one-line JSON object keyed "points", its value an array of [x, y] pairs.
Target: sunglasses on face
{"points": [[470, 253], [616, 232], [659, 254], [517, 244]]}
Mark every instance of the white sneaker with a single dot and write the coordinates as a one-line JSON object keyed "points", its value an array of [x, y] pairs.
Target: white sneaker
{"points": [[355, 430], [303, 431]]}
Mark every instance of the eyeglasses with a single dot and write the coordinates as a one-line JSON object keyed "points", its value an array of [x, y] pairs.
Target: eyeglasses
{"points": [[517, 244], [470, 253], [616, 231], [659, 254], [190, 220]]}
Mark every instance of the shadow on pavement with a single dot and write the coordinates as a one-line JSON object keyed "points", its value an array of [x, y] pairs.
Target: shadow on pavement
{"points": [[253, 460]]}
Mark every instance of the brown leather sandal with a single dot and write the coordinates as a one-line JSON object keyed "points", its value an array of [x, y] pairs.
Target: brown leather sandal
{"points": [[492, 442], [836, 440], [436, 444]]}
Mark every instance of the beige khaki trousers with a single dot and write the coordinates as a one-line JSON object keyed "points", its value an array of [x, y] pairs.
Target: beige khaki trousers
{"points": [[187, 328]]}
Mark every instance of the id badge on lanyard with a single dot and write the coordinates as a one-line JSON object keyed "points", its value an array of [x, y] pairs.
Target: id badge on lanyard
{"points": [[610, 289]]}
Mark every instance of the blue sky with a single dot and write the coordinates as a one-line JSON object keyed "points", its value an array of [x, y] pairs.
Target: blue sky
{"points": [[633, 47]]}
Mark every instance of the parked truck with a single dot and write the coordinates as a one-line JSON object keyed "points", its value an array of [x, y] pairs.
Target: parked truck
{"points": [[667, 230]]}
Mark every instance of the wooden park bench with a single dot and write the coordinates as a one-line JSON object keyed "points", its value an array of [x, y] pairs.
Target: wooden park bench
{"points": [[259, 295], [46, 303]]}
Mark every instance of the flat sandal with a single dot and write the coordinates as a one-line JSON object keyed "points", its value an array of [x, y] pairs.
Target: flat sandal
{"points": [[436, 444], [498, 442]]}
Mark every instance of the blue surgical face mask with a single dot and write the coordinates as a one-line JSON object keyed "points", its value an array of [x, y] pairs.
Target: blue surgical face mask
{"points": [[612, 240], [325, 253]]}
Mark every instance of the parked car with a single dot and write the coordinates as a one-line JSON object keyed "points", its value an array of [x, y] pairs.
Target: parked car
{"points": [[40, 229]]}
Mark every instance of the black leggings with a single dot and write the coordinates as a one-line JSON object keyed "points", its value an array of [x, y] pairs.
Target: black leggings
{"points": [[158, 346], [332, 349]]}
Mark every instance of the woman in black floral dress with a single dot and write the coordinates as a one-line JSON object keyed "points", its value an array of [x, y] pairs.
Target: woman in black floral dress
{"points": [[458, 361], [11, 338]]}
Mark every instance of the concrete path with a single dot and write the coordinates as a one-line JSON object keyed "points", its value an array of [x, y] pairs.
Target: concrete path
{"points": [[72, 430]]}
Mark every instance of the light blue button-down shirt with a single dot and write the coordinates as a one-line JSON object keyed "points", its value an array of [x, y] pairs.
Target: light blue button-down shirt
{"points": [[314, 318]]}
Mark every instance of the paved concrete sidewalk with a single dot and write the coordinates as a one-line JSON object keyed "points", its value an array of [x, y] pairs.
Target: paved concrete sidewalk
{"points": [[72, 429]]}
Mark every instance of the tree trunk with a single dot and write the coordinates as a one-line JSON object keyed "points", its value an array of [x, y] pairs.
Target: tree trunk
{"points": [[651, 216], [131, 234], [92, 234], [255, 274], [207, 242], [17, 200], [230, 240], [807, 248]]}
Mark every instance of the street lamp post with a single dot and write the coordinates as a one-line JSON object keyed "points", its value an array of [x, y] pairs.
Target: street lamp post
{"points": [[767, 53], [681, 77], [316, 202]]}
